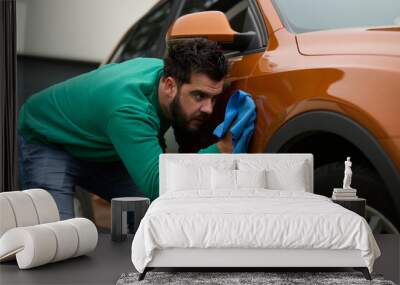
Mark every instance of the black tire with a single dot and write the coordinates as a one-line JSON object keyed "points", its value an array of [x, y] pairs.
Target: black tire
{"points": [[367, 182]]}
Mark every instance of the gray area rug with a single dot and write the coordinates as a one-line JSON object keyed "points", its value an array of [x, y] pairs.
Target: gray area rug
{"points": [[231, 278]]}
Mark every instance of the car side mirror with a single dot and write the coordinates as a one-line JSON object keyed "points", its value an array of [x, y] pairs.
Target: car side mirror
{"points": [[213, 25]]}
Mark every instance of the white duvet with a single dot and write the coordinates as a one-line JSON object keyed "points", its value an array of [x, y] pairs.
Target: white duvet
{"points": [[250, 218]]}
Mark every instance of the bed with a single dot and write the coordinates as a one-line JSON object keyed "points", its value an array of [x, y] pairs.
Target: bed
{"points": [[247, 210]]}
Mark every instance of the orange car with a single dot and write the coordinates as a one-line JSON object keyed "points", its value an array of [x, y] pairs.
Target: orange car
{"points": [[325, 76]]}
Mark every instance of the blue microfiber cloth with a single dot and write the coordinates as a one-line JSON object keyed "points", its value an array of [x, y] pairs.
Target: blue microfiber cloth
{"points": [[242, 108]]}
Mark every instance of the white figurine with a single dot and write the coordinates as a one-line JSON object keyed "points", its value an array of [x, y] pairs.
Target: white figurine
{"points": [[347, 174]]}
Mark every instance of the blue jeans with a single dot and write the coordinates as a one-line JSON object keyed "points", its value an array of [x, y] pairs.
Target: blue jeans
{"points": [[52, 168]]}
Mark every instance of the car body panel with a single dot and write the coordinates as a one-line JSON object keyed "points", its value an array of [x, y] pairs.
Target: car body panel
{"points": [[361, 41], [286, 83], [271, 18]]}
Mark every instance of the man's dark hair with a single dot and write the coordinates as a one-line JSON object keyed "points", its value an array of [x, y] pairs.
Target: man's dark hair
{"points": [[199, 55]]}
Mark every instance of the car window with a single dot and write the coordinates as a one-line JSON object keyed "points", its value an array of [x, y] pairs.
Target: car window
{"points": [[242, 19], [192, 6], [143, 39], [310, 15]]}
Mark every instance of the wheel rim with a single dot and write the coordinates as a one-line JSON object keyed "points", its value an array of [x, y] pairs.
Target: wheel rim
{"points": [[378, 222]]}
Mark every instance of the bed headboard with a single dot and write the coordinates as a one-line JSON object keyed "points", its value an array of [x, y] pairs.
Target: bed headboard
{"points": [[212, 158]]}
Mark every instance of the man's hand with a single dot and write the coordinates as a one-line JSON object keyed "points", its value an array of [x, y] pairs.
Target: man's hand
{"points": [[225, 144]]}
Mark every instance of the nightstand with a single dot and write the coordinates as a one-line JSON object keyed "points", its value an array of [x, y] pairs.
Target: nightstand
{"points": [[126, 214], [356, 205]]}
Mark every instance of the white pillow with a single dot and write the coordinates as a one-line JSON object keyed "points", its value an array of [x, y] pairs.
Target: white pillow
{"points": [[223, 179], [251, 178], [227, 179], [281, 174], [292, 179], [193, 174], [183, 178]]}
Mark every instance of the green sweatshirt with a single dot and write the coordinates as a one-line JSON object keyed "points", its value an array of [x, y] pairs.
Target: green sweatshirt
{"points": [[111, 113]]}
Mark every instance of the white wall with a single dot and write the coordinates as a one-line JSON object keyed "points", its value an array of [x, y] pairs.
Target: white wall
{"points": [[84, 30]]}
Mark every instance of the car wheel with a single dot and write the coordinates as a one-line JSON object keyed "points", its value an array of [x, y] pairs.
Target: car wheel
{"points": [[378, 222], [380, 209]]}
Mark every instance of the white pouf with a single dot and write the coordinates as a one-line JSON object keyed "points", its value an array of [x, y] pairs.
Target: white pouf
{"points": [[7, 218], [31, 232], [46, 207], [40, 244], [23, 208]]}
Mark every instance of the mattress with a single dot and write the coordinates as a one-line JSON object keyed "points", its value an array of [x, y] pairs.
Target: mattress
{"points": [[251, 218]]}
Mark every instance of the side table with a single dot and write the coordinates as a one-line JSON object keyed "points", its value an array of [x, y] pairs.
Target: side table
{"points": [[357, 205], [126, 214]]}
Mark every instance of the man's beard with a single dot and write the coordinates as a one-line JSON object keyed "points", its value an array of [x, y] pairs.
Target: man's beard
{"points": [[180, 122], [189, 140]]}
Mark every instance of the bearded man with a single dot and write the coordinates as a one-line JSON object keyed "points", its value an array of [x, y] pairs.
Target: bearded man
{"points": [[104, 130]]}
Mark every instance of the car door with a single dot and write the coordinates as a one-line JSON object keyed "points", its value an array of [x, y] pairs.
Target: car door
{"points": [[243, 16]]}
